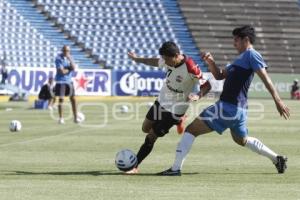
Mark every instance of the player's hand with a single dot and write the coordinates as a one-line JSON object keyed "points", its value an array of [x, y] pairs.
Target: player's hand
{"points": [[132, 55], [283, 109], [66, 70], [193, 97], [208, 58]]}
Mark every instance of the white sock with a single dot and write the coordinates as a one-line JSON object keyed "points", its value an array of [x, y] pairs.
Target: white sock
{"points": [[182, 150], [258, 147]]}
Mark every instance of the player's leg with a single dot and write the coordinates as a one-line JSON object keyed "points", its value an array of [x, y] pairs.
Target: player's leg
{"points": [[158, 129], [71, 93], [51, 103], [241, 137], [48, 98], [148, 144], [180, 126], [60, 110], [197, 127], [147, 125], [239, 134], [74, 107], [146, 147], [60, 93], [156, 124], [205, 123]]}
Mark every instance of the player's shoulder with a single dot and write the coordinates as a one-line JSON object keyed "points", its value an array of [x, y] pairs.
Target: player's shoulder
{"points": [[253, 53], [191, 66], [59, 57]]}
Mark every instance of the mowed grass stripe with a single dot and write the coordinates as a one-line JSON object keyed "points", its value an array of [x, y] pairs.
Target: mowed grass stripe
{"points": [[77, 162]]}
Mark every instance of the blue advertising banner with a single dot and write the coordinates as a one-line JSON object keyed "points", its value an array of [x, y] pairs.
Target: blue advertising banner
{"points": [[86, 81], [137, 83]]}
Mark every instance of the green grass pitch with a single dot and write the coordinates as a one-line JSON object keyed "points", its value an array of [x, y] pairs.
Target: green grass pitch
{"points": [[47, 161]]}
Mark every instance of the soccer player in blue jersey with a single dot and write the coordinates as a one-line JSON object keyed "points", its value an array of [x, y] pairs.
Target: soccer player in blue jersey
{"points": [[65, 67], [231, 110]]}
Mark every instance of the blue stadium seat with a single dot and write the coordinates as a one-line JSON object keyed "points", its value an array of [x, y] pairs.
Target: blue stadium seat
{"points": [[107, 28], [115, 25]]}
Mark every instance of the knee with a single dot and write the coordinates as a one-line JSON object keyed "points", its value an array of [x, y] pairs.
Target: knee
{"points": [[145, 129], [72, 98], [159, 130], [191, 129], [240, 141]]}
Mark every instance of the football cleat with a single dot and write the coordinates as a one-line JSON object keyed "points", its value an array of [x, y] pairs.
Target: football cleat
{"points": [[180, 126], [76, 121], [281, 164], [170, 172], [61, 121], [133, 171]]}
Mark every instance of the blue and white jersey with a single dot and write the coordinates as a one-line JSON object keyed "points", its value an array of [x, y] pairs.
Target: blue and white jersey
{"points": [[63, 62], [239, 76]]}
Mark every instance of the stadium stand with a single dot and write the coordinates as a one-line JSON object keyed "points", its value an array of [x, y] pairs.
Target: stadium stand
{"points": [[23, 44], [29, 40], [277, 24], [108, 29]]}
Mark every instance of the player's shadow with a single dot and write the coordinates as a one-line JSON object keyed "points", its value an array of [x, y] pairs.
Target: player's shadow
{"points": [[87, 173], [118, 173], [69, 173]]}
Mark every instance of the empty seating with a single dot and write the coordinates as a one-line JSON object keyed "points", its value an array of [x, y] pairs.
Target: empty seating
{"points": [[105, 30], [21, 43], [277, 24], [108, 29]]}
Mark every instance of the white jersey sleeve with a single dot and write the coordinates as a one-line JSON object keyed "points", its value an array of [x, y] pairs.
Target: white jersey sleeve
{"points": [[162, 64]]}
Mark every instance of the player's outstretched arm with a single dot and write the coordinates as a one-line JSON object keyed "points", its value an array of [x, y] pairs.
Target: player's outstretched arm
{"points": [[147, 61], [281, 107], [218, 73]]}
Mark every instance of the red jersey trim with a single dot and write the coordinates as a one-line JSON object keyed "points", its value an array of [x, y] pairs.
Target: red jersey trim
{"points": [[193, 68]]}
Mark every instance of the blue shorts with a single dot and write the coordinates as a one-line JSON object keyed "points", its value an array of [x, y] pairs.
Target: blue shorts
{"points": [[222, 115]]}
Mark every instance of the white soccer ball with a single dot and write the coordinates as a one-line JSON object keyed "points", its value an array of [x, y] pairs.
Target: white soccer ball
{"points": [[124, 109], [80, 117], [15, 126], [125, 160]]}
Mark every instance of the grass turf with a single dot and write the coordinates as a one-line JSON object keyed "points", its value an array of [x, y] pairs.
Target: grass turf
{"points": [[50, 161]]}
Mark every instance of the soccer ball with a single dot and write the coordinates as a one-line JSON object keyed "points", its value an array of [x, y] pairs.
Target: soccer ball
{"points": [[125, 160], [15, 126], [80, 117], [124, 109]]}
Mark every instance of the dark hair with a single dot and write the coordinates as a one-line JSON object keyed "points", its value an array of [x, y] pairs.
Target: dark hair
{"points": [[169, 49], [245, 31]]}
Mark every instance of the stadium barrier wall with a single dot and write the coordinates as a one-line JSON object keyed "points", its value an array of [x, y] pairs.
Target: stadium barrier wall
{"points": [[137, 83], [146, 83], [100, 82], [88, 82], [282, 83]]}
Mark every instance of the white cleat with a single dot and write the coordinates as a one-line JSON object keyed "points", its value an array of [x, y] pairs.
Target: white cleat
{"points": [[132, 171], [61, 121], [76, 121]]}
